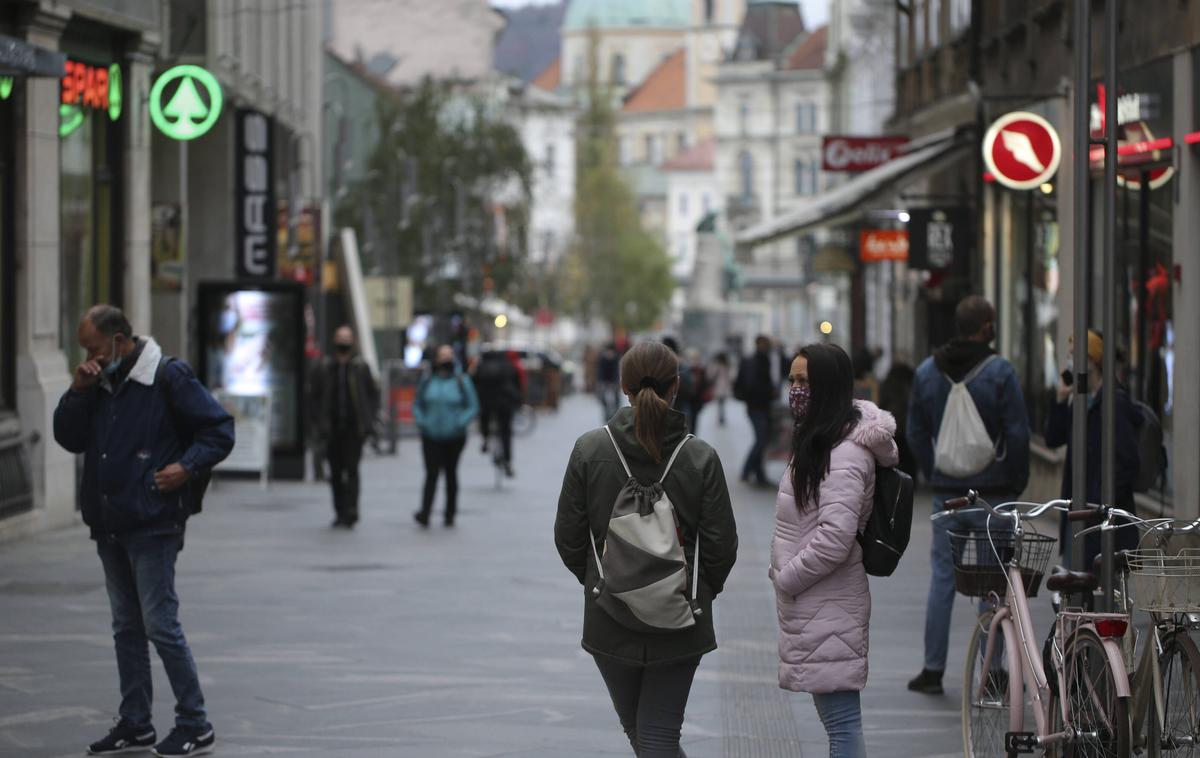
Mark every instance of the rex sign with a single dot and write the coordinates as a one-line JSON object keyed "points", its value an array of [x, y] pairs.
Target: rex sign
{"points": [[859, 153]]}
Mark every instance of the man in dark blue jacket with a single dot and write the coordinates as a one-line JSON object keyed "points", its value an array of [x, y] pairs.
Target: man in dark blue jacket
{"points": [[996, 392], [149, 432], [1058, 432]]}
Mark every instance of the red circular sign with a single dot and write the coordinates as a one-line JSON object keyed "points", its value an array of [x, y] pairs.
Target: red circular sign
{"points": [[1022, 150]]}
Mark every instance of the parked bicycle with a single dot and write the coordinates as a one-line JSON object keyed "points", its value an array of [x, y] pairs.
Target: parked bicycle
{"points": [[1162, 578], [1081, 706]]}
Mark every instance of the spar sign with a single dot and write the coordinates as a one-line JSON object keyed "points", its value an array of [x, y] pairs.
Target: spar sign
{"points": [[1022, 150]]}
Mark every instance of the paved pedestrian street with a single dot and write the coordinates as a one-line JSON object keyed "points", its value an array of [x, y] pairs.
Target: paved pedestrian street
{"points": [[394, 641]]}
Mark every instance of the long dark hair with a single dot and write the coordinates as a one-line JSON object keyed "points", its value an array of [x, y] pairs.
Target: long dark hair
{"points": [[648, 374], [831, 416]]}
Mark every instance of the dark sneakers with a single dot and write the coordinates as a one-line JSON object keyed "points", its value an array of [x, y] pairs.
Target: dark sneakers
{"points": [[124, 738], [928, 683], [186, 742]]}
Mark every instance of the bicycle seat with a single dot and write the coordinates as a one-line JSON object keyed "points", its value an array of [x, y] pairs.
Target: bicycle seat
{"points": [[1071, 582], [1120, 563]]}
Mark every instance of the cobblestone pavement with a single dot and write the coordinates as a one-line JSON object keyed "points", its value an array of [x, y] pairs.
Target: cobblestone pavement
{"points": [[392, 641]]}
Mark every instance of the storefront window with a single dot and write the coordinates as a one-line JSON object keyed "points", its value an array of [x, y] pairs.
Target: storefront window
{"points": [[89, 219], [7, 264], [1030, 305], [1144, 246]]}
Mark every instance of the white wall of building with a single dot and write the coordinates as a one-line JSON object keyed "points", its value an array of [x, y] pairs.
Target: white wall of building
{"points": [[548, 133], [447, 39], [691, 195]]}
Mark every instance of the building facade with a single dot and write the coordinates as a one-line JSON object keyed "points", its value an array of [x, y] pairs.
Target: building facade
{"points": [[74, 220]]}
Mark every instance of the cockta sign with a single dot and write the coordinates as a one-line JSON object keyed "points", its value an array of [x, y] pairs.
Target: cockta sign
{"points": [[185, 102]]}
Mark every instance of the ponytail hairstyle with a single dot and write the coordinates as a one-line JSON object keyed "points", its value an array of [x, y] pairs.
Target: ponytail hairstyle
{"points": [[831, 416], [649, 373]]}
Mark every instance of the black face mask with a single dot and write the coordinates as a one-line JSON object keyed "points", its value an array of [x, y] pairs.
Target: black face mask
{"points": [[445, 367], [343, 349]]}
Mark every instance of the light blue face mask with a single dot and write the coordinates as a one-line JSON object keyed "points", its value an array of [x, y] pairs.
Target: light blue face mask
{"points": [[114, 363]]}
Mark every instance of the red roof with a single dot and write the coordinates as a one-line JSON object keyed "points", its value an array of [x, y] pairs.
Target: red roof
{"points": [[665, 89], [697, 158], [551, 77], [811, 52]]}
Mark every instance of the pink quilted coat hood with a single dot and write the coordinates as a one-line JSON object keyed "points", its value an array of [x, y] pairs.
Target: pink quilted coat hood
{"points": [[821, 589]]}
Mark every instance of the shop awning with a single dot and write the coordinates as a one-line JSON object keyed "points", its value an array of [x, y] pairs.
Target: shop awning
{"points": [[19, 58], [849, 201]]}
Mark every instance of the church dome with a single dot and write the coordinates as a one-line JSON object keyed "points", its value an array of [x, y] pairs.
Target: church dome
{"points": [[628, 14]]}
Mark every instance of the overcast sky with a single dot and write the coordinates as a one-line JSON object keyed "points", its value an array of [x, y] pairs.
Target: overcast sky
{"points": [[816, 12]]}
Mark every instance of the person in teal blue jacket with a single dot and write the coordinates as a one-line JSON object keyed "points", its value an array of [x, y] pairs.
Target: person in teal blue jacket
{"points": [[445, 406]]}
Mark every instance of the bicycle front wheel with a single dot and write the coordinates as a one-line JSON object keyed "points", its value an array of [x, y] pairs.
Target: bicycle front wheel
{"points": [[985, 696], [1099, 716], [1178, 735]]}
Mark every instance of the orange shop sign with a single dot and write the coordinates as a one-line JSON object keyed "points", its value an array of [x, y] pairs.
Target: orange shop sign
{"points": [[876, 245]]}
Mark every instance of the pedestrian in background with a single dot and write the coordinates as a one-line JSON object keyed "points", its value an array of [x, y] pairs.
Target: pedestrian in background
{"points": [[694, 389], [608, 381], [992, 384], [1058, 432], [720, 377], [894, 394], [346, 400], [757, 386], [149, 433], [498, 386], [648, 674], [824, 500], [444, 408]]}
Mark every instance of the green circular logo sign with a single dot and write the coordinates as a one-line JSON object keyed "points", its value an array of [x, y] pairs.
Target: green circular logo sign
{"points": [[178, 108], [114, 92]]}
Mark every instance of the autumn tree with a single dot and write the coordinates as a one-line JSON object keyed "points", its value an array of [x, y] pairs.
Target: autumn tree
{"points": [[616, 271], [429, 205]]}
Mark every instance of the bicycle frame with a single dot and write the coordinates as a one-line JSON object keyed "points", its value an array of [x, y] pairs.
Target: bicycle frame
{"points": [[1012, 620]]}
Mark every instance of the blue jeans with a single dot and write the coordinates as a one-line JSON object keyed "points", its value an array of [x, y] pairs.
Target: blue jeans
{"points": [[841, 715], [760, 419], [941, 582], [140, 574]]}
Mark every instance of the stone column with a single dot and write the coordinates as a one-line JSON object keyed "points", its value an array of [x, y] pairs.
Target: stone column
{"points": [[1186, 299], [137, 187], [42, 374]]}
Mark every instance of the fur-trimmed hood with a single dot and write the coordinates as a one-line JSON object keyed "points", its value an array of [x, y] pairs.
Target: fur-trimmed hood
{"points": [[876, 431]]}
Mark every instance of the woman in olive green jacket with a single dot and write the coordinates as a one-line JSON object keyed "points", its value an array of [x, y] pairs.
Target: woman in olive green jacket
{"points": [[648, 674]]}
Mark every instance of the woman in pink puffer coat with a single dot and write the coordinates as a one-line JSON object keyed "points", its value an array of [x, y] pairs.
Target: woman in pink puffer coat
{"points": [[824, 499]]}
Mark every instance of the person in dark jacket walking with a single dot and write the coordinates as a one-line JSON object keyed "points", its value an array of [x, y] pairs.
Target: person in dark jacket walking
{"points": [[346, 399], [608, 381], [445, 406], [149, 433], [1058, 433], [996, 393], [648, 675], [757, 386], [498, 385]]}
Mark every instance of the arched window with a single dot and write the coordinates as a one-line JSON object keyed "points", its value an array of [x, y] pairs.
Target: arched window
{"points": [[618, 70], [746, 174], [710, 10]]}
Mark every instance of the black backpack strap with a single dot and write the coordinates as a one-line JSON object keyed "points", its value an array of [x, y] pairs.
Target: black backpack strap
{"points": [[160, 381]]}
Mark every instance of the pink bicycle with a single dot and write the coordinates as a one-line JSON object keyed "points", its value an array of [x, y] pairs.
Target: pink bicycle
{"points": [[1081, 708]]}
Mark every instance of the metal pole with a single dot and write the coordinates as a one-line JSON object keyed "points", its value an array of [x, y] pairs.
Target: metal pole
{"points": [[1108, 474], [184, 279], [1082, 140]]}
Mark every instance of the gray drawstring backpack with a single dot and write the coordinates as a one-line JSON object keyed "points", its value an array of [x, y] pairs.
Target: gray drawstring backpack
{"points": [[644, 583]]}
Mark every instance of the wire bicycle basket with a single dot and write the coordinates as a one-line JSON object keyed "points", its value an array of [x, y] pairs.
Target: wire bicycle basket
{"points": [[981, 561], [1165, 582]]}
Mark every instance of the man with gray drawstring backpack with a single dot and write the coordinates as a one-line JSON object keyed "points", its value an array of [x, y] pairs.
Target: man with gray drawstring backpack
{"points": [[968, 428]]}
